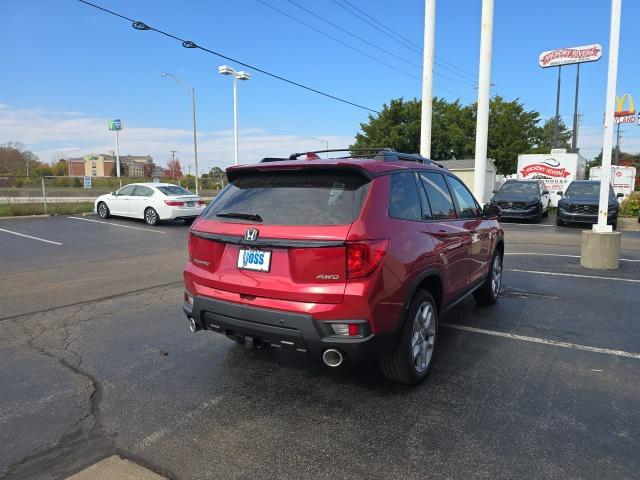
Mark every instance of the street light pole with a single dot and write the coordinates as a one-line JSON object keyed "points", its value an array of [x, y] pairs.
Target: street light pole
{"points": [[235, 118], [192, 91], [226, 70], [195, 143]]}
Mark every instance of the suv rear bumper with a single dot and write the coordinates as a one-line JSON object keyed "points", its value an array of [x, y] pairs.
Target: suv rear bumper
{"points": [[286, 330]]}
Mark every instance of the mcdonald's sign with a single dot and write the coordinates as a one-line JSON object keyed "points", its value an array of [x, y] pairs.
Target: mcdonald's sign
{"points": [[622, 114]]}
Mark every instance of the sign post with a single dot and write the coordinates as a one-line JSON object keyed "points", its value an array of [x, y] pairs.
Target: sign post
{"points": [[116, 125], [566, 56]]}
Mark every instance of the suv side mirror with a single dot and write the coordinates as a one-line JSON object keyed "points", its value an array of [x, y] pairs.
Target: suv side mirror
{"points": [[620, 195], [491, 212], [494, 191], [559, 193], [545, 192]]}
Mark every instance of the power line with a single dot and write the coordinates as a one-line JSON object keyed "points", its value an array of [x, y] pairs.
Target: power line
{"points": [[351, 34], [397, 37], [138, 25], [321, 32]]}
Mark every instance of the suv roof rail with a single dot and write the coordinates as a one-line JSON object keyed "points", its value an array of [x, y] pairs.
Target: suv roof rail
{"points": [[379, 153]]}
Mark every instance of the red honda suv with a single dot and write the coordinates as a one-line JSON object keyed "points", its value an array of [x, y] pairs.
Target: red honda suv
{"points": [[350, 257]]}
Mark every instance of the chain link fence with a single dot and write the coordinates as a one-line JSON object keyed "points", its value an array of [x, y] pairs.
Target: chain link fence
{"points": [[22, 195]]}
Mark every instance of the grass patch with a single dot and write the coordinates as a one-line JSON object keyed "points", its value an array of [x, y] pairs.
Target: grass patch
{"points": [[19, 209]]}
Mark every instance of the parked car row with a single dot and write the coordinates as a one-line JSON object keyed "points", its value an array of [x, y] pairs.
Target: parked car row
{"points": [[529, 200]]}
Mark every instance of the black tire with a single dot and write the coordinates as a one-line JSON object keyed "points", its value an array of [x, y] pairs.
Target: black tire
{"points": [[538, 218], [614, 225], [546, 213], [151, 217], [399, 365], [489, 292], [103, 210], [559, 222]]}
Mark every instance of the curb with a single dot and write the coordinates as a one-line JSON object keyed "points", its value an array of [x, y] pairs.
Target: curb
{"points": [[628, 224], [9, 217]]}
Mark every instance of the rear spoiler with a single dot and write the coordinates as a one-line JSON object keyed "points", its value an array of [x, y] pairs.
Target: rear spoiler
{"points": [[239, 171]]}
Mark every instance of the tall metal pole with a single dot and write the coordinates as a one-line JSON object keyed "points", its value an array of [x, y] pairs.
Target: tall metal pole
{"points": [[117, 156], [195, 143], [557, 126], [427, 76], [484, 86], [605, 180], [235, 116], [574, 136]]}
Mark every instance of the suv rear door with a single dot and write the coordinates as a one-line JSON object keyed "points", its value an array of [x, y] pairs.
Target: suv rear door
{"points": [[453, 239], [298, 222], [479, 230]]}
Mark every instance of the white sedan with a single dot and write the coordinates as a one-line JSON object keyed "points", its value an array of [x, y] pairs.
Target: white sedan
{"points": [[152, 202]]}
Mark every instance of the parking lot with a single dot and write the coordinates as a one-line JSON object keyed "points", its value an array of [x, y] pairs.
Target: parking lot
{"points": [[97, 359]]}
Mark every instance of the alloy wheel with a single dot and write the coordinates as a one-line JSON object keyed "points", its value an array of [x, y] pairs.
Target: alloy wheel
{"points": [[423, 337], [496, 275]]}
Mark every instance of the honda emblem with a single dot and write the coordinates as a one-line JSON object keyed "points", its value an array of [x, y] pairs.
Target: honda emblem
{"points": [[251, 235]]}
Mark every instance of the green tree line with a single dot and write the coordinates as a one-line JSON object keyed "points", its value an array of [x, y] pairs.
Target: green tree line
{"points": [[512, 130]]}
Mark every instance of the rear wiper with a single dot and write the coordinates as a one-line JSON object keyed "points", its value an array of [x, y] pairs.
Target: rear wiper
{"points": [[253, 217]]}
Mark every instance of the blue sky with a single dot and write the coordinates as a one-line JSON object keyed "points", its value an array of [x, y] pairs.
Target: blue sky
{"points": [[68, 68]]}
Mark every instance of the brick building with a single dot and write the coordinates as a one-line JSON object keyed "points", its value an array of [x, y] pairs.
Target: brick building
{"points": [[100, 165]]}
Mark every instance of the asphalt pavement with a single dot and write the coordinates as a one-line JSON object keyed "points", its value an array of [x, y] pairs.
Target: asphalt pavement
{"points": [[97, 360]]}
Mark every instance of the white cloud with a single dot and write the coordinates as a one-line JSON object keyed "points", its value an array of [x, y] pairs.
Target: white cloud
{"points": [[50, 134]]}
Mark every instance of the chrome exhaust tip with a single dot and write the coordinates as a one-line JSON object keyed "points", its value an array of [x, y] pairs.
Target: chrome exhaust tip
{"points": [[332, 357], [193, 326]]}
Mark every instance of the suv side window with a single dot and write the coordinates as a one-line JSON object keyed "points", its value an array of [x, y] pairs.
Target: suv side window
{"points": [[438, 194], [404, 202], [466, 203], [128, 190]]}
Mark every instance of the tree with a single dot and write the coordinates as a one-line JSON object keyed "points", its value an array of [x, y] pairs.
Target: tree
{"points": [[16, 160], [544, 138], [174, 169], [512, 130], [124, 169], [148, 169]]}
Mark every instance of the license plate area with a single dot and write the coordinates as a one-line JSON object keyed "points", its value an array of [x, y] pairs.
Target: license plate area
{"points": [[191, 204], [256, 260]]}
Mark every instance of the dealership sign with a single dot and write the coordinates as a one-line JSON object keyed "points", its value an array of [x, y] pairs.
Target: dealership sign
{"points": [[624, 114], [565, 56], [545, 168]]}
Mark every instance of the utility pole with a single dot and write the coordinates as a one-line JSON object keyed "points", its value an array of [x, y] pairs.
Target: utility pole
{"points": [[616, 159], [484, 87], [173, 160], [427, 76]]}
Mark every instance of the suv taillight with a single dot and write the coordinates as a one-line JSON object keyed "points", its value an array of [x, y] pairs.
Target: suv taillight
{"points": [[190, 246], [364, 256]]}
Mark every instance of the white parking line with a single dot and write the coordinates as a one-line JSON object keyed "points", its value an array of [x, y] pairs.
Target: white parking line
{"points": [[561, 255], [118, 225], [29, 236], [633, 280], [544, 341], [526, 224]]}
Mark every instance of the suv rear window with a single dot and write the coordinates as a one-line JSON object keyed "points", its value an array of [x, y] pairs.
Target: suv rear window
{"points": [[332, 197]]}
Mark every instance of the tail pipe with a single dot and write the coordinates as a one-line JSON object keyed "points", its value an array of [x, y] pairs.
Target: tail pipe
{"points": [[332, 357], [193, 326]]}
